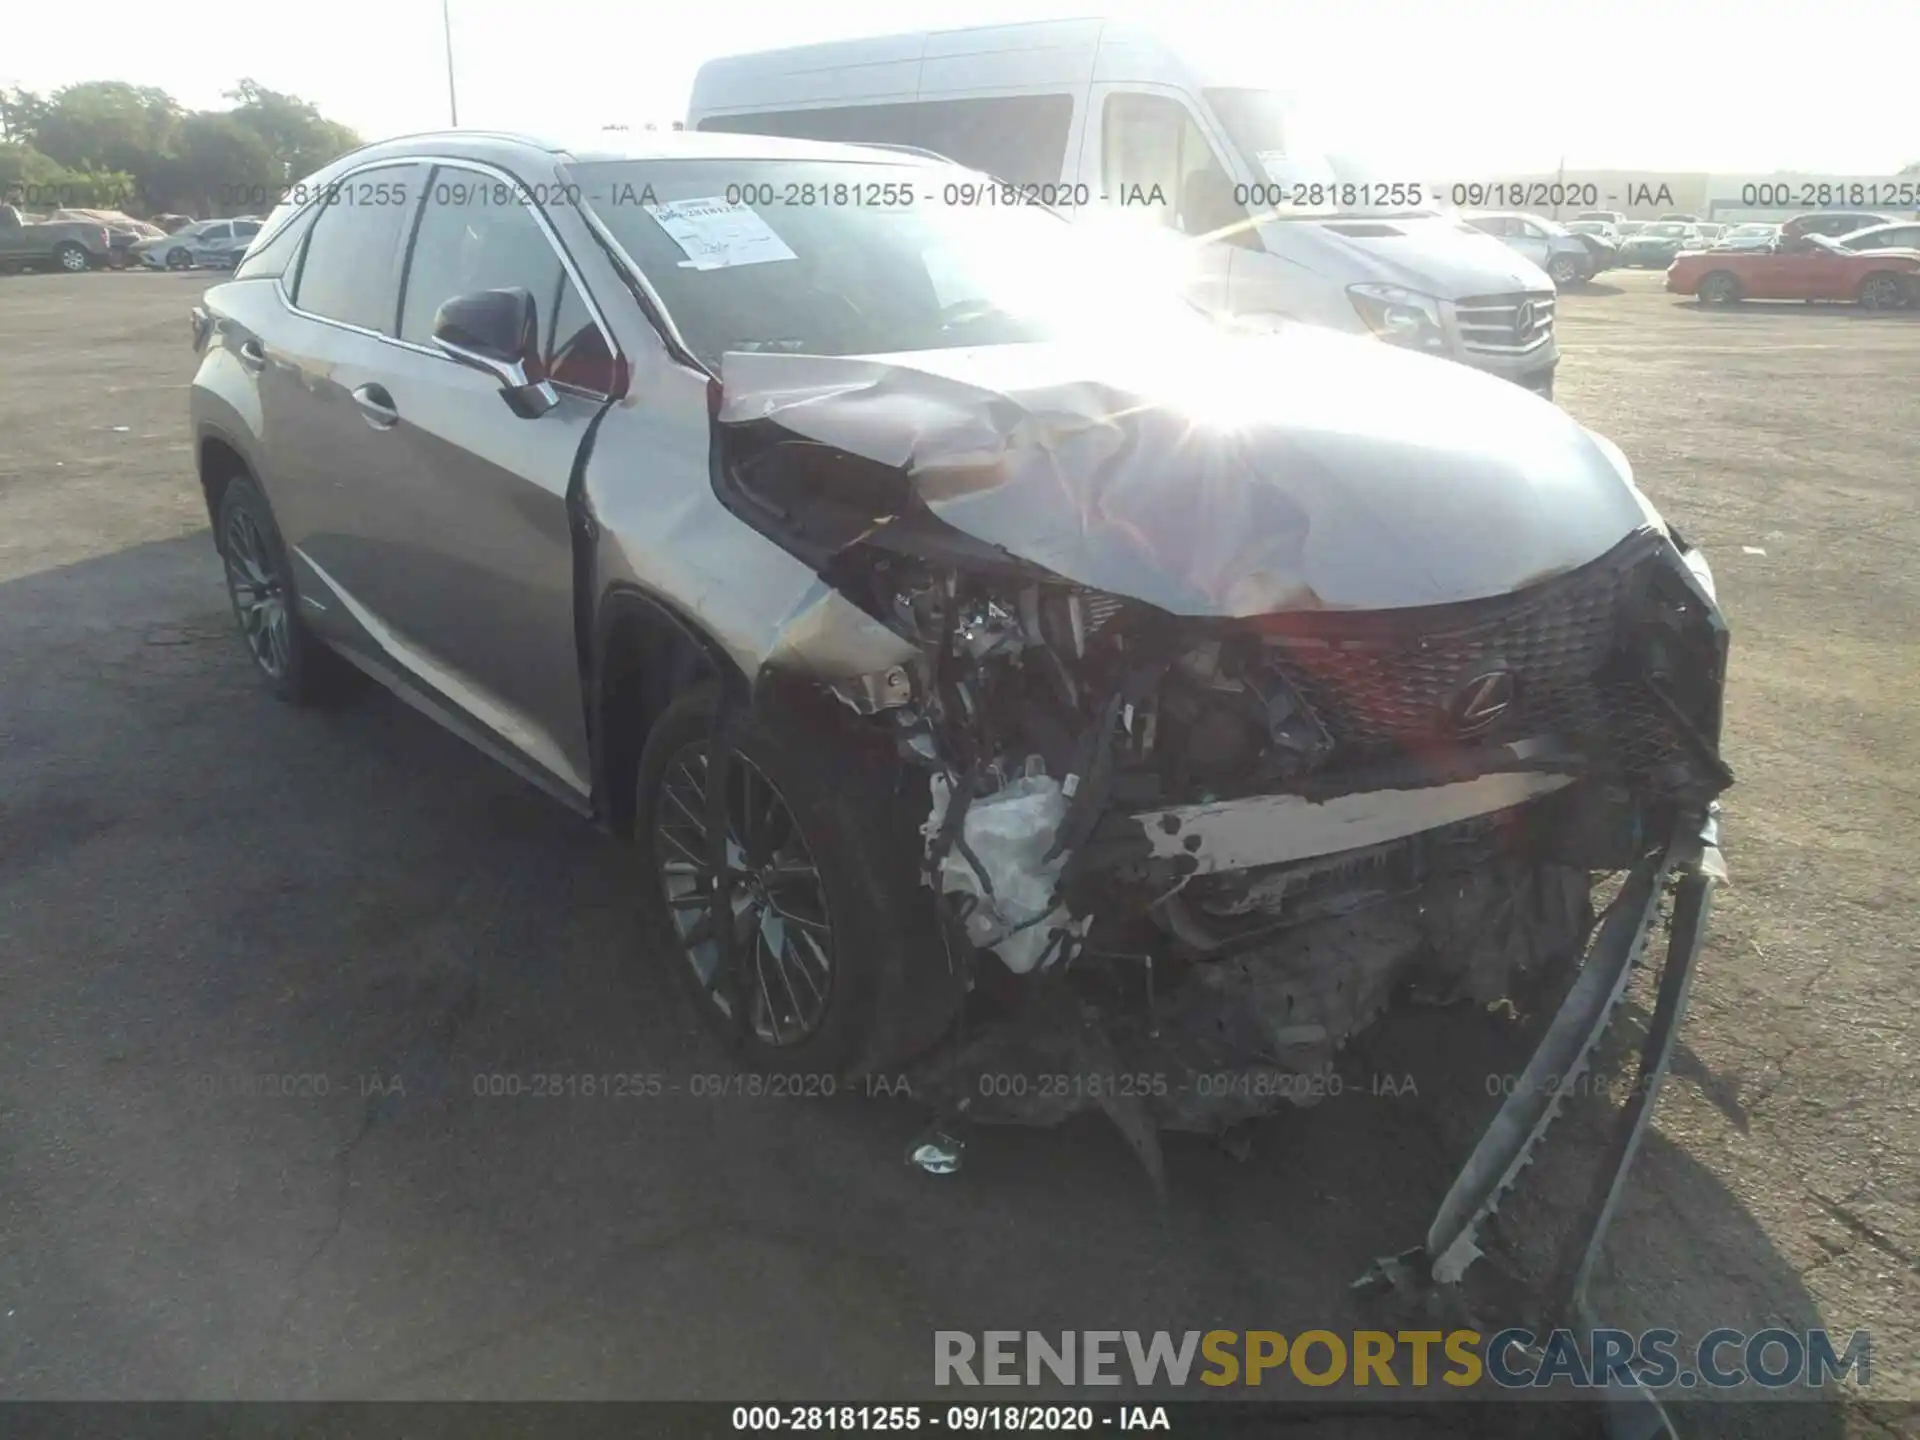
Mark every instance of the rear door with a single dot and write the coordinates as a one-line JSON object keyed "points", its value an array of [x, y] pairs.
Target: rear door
{"points": [[324, 362]]}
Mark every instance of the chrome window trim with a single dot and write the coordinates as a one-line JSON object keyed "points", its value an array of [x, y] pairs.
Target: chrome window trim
{"points": [[432, 163]]}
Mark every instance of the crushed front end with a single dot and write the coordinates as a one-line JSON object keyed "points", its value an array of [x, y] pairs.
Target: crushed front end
{"points": [[1194, 834]]}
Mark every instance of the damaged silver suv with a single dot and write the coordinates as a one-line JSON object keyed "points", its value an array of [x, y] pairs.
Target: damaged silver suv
{"points": [[962, 627]]}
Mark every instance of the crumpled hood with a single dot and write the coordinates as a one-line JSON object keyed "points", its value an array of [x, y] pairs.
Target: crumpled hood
{"points": [[1222, 475]]}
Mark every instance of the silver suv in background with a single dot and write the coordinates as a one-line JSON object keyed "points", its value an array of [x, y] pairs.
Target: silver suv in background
{"points": [[217, 244], [952, 615], [1566, 258]]}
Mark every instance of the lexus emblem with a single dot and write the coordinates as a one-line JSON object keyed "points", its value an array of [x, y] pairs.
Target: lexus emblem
{"points": [[1478, 705], [1523, 320]]}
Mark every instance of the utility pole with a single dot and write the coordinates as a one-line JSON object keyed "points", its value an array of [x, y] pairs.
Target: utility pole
{"points": [[453, 105]]}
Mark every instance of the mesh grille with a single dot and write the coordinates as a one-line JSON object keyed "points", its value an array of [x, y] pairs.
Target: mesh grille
{"points": [[1395, 695]]}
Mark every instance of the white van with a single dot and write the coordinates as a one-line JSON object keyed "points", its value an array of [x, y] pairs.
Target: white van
{"points": [[1099, 116]]}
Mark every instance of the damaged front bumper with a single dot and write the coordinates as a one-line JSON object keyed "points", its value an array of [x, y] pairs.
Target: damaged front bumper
{"points": [[1225, 753]]}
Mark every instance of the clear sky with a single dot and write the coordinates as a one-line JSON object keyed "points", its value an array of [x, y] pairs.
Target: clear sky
{"points": [[1475, 88]]}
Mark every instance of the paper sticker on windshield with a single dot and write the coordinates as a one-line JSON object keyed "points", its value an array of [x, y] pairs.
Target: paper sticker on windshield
{"points": [[715, 234]]}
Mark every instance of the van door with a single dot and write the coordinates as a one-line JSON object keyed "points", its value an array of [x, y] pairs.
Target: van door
{"points": [[1149, 155]]}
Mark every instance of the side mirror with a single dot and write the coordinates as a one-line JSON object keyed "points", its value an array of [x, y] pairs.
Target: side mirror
{"points": [[497, 332]]}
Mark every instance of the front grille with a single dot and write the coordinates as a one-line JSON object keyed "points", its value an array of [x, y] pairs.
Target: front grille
{"points": [[1488, 324], [1386, 695]]}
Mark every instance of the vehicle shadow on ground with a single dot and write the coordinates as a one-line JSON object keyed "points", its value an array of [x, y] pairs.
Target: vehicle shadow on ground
{"points": [[371, 1026]]}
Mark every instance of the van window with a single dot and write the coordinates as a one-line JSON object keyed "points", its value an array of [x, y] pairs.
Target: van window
{"points": [[1152, 141], [1019, 138]]}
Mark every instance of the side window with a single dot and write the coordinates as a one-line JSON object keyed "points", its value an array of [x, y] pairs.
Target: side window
{"points": [[1021, 138], [279, 255], [1530, 230], [350, 269], [221, 231], [475, 235], [1151, 140], [246, 229], [887, 124], [577, 352]]}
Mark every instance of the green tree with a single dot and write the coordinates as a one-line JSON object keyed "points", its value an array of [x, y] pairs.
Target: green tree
{"points": [[108, 143], [106, 124], [220, 166], [21, 112], [294, 130]]}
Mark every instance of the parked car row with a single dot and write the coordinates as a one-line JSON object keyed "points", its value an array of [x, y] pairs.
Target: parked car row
{"points": [[1860, 256], [1809, 266], [76, 239]]}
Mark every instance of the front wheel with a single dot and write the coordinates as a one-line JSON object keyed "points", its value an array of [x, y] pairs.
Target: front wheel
{"points": [[1564, 270], [179, 259], [71, 257], [812, 913], [1882, 291]]}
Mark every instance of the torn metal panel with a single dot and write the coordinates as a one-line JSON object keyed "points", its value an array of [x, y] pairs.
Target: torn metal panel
{"points": [[1238, 478]]}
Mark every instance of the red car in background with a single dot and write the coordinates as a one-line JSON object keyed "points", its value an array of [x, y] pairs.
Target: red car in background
{"points": [[1809, 267]]}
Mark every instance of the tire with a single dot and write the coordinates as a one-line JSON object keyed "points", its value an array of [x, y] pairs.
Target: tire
{"points": [[179, 259], [1719, 287], [72, 257], [297, 665], [1882, 290], [833, 859], [1564, 269]]}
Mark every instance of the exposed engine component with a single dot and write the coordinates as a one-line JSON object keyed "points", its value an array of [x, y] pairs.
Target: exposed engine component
{"points": [[998, 862]]}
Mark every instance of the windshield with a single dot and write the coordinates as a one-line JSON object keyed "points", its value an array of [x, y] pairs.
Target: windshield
{"points": [[1752, 230], [831, 258], [1665, 230], [1589, 227], [1302, 178]]}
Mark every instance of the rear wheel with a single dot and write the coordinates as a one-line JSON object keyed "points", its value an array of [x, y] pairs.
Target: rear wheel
{"points": [[1720, 287], [298, 666], [1882, 291]]}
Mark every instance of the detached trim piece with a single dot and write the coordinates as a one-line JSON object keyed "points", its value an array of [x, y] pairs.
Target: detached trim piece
{"points": [[1692, 860], [1273, 829]]}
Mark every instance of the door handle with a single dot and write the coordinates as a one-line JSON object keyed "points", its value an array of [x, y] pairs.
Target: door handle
{"points": [[253, 356], [376, 406]]}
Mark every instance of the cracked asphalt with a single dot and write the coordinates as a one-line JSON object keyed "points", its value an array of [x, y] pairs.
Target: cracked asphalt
{"points": [[200, 889]]}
